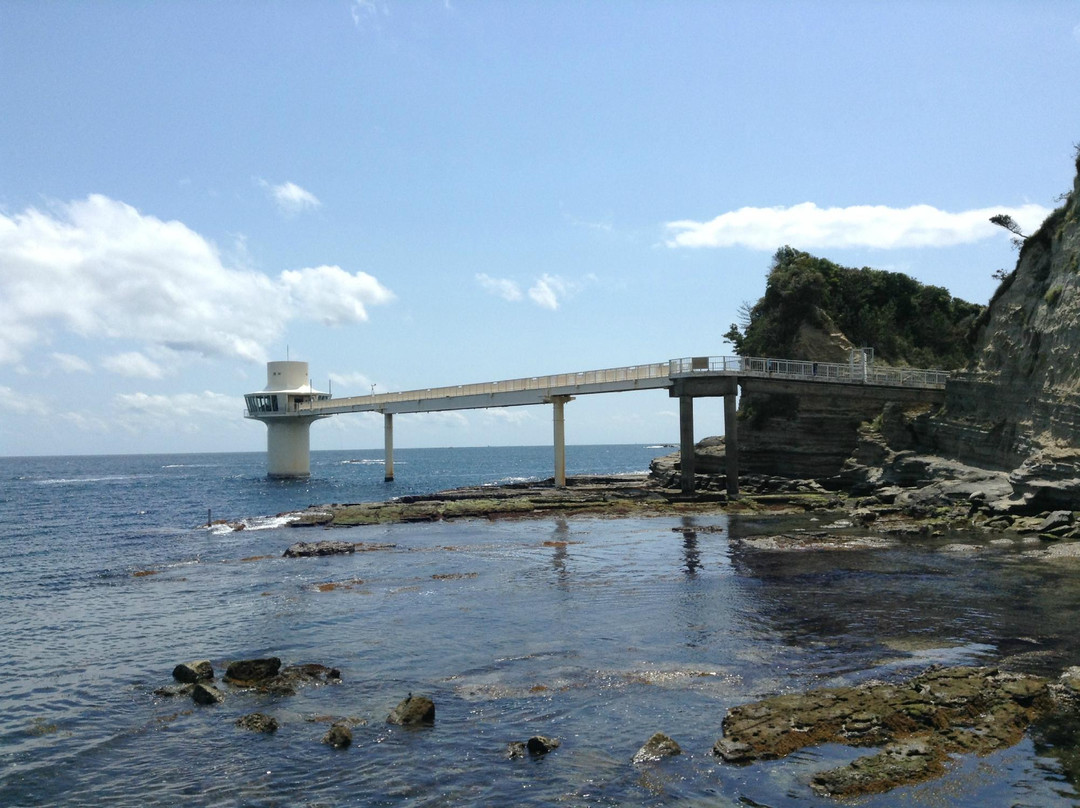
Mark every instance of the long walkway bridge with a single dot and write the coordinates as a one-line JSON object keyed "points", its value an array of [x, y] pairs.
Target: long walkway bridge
{"points": [[289, 404]]}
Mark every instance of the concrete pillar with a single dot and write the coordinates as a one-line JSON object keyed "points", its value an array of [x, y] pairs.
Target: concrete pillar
{"points": [[686, 442], [557, 404], [288, 444], [731, 445], [388, 446]]}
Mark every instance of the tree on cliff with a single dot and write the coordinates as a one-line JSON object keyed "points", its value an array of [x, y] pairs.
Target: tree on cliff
{"points": [[906, 322]]}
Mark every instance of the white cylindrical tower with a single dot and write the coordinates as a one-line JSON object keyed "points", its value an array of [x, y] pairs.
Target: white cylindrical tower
{"points": [[285, 406]]}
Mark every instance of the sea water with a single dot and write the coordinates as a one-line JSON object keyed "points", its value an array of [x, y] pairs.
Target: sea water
{"points": [[595, 631]]}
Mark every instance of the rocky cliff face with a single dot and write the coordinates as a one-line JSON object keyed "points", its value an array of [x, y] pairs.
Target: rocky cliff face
{"points": [[1021, 410]]}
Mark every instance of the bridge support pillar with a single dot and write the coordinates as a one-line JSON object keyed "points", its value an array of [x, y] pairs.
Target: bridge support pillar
{"points": [[557, 404], [731, 446], [388, 446], [686, 443], [288, 447]]}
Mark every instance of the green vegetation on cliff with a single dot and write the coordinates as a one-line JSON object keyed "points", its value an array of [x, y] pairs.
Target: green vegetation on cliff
{"points": [[811, 305]]}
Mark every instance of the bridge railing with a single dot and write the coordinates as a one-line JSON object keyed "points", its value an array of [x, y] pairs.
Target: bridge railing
{"points": [[657, 370], [846, 372]]}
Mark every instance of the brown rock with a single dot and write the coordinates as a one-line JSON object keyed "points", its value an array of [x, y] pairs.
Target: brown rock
{"points": [[413, 711], [258, 722]]}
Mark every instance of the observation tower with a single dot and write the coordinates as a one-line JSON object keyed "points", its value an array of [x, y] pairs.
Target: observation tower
{"points": [[284, 405]]}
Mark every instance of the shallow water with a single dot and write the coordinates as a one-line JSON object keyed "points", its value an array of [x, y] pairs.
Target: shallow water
{"points": [[596, 631]]}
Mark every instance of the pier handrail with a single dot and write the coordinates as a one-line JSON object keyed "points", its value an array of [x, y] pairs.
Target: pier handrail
{"points": [[856, 372], [656, 370], [845, 372]]}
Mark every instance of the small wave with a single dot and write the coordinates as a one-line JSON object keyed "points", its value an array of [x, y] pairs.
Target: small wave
{"points": [[251, 523], [115, 478], [510, 481]]}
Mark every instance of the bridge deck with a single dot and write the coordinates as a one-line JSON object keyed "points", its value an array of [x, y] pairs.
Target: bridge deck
{"points": [[659, 375]]}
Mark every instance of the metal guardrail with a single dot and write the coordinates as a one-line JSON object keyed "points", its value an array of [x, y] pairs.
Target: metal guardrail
{"points": [[657, 370], [846, 372]]}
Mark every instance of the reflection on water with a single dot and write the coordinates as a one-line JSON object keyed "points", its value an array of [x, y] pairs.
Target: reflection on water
{"points": [[599, 632]]}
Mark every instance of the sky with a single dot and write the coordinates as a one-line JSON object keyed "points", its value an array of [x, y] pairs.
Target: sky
{"points": [[438, 192]]}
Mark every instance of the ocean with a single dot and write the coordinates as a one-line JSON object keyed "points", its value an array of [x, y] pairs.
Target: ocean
{"points": [[595, 631]]}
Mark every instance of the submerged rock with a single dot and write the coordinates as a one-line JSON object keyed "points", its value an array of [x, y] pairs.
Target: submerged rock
{"points": [[191, 672], [541, 744], [258, 722], [252, 671], [413, 711], [659, 746], [920, 723], [339, 736], [202, 693]]}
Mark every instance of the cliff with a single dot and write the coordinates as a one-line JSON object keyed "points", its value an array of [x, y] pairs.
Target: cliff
{"points": [[1020, 410], [815, 309]]}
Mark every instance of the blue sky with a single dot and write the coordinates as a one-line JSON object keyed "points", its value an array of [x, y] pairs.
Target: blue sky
{"points": [[415, 194]]}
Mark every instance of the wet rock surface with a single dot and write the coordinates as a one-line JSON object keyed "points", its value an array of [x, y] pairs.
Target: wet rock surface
{"points": [[307, 549], [918, 723], [258, 722], [658, 747], [413, 711], [191, 672]]}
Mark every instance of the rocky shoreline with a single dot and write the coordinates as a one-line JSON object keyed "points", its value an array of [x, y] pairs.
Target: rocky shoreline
{"points": [[917, 724]]}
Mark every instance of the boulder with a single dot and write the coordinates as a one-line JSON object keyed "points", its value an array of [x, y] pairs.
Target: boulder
{"points": [[258, 722], [1056, 521], [306, 549], [202, 693], [413, 711], [247, 672], [541, 744], [659, 746], [190, 672], [339, 736]]}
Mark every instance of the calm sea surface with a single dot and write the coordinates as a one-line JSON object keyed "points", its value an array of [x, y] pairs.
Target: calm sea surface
{"points": [[598, 632]]}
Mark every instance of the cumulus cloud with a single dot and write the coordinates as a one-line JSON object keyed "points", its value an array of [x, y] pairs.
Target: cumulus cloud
{"points": [[807, 226], [99, 268], [132, 364], [501, 287], [291, 198]]}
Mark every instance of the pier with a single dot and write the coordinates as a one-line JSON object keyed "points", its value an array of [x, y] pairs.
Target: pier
{"points": [[289, 404]]}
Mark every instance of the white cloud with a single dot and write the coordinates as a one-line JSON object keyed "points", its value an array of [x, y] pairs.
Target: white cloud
{"points": [[291, 198], [501, 287], [548, 290], [173, 407], [100, 268], [807, 226], [14, 402], [368, 11], [508, 415], [69, 363], [352, 381], [332, 295], [133, 365]]}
